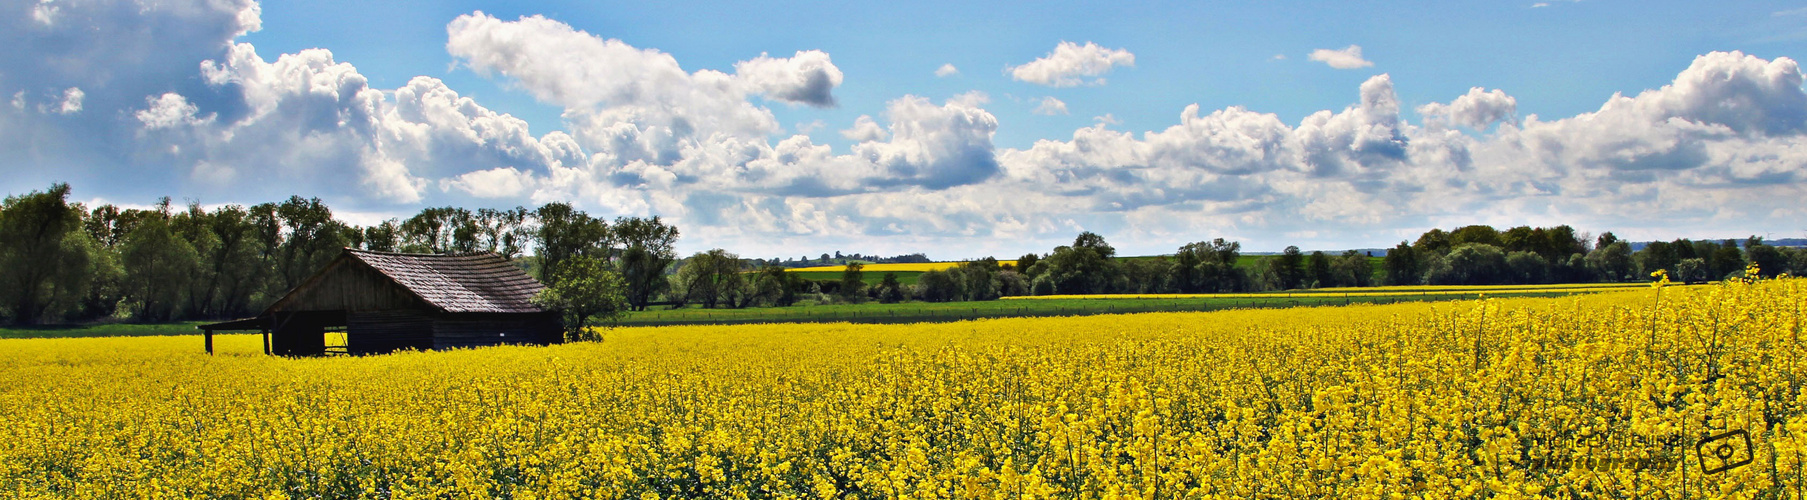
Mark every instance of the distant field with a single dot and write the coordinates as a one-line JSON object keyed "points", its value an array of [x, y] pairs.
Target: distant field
{"points": [[1081, 305], [102, 330], [908, 273], [1512, 290]]}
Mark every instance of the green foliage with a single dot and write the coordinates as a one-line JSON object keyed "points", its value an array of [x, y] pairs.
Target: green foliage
{"points": [[1403, 266], [566, 233], [648, 249], [853, 283], [1085, 267], [46, 259], [588, 289], [889, 290], [159, 266], [712, 279]]}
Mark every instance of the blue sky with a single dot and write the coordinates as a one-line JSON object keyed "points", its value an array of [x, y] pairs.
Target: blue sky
{"points": [[210, 107]]}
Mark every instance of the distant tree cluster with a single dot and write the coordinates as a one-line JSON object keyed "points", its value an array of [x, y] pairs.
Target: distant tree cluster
{"points": [[65, 262], [839, 259]]}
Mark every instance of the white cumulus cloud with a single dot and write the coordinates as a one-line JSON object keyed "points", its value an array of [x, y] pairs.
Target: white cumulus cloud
{"points": [[1346, 58], [1477, 109], [1050, 106], [947, 70], [1070, 64]]}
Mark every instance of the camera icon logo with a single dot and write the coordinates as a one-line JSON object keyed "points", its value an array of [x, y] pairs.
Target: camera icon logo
{"points": [[1724, 451]]}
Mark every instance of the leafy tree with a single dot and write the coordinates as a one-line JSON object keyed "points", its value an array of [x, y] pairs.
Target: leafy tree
{"points": [[1289, 268], [1025, 262], [1606, 239], [302, 237], [383, 237], [853, 282], [1770, 262], [588, 289], [648, 249], [1012, 284], [938, 286], [1402, 265], [1693, 270], [1482, 234], [1318, 271], [46, 259], [1353, 269], [1433, 241], [1209, 267], [711, 278], [1086, 267], [1726, 260], [1656, 255], [1527, 268], [978, 279], [890, 291], [503, 232], [158, 266], [1472, 264], [565, 233], [1149, 275], [1612, 262]]}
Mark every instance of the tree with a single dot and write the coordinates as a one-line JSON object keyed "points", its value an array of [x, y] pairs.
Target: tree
{"points": [[46, 258], [1289, 268], [711, 278], [587, 289], [890, 291], [1086, 267], [1025, 262], [1692, 271], [1482, 234], [565, 233], [1353, 269], [1402, 265], [648, 249], [158, 266], [1726, 260], [853, 282], [1318, 271], [1527, 268], [1472, 264], [1613, 261], [937, 286], [1770, 262], [1208, 267]]}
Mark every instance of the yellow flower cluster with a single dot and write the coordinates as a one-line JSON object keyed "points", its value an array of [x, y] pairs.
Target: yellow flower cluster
{"points": [[1599, 395], [897, 268]]}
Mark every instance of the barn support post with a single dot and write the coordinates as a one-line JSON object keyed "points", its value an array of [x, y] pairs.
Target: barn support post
{"points": [[208, 335], [266, 335]]}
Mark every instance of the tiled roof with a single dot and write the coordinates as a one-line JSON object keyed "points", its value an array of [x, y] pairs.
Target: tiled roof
{"points": [[468, 282]]}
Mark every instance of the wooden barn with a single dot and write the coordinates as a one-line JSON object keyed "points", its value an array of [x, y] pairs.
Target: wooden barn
{"points": [[382, 302]]}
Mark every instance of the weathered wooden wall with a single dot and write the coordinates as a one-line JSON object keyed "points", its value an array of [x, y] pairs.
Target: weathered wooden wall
{"points": [[348, 286], [376, 332], [477, 330]]}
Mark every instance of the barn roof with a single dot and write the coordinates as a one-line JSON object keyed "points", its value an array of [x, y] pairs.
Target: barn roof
{"points": [[461, 282]]}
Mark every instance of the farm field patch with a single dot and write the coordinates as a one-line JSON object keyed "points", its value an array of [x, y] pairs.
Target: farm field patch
{"points": [[1523, 397]]}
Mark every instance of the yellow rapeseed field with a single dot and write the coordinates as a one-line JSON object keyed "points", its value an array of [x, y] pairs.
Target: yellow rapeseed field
{"points": [[896, 268], [1671, 393]]}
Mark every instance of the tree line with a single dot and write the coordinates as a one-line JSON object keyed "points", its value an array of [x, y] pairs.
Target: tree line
{"points": [[1469, 255], [66, 262]]}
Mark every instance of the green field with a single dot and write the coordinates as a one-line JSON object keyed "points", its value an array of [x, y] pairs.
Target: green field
{"points": [[101, 330]]}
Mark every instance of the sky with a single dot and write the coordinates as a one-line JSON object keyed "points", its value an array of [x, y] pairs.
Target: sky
{"points": [[956, 130]]}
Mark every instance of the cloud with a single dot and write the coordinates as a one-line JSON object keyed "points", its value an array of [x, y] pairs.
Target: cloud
{"points": [[1070, 64], [1477, 109], [185, 110], [505, 182], [947, 70], [1050, 106], [1348, 58], [865, 130], [807, 78]]}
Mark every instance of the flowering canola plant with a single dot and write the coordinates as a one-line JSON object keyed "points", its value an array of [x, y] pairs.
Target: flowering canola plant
{"points": [[1678, 392]]}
